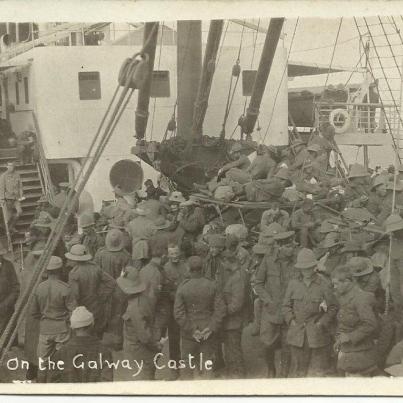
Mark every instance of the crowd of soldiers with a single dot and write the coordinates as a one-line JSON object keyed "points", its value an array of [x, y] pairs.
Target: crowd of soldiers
{"points": [[309, 262]]}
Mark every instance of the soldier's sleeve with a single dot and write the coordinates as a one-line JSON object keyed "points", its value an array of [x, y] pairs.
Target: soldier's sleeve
{"points": [[287, 308], [35, 308], [70, 300], [295, 220], [237, 295], [260, 281], [13, 288], [219, 311], [329, 316], [368, 323], [143, 330], [179, 309], [74, 287], [107, 284]]}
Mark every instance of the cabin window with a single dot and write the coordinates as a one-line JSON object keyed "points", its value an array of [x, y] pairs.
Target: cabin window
{"points": [[160, 87], [248, 79], [17, 93], [89, 85], [26, 90]]}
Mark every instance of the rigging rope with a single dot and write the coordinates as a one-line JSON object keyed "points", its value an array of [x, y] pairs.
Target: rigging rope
{"points": [[333, 52]]}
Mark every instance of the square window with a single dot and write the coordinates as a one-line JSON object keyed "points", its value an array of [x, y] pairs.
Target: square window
{"points": [[248, 79], [89, 83], [160, 87]]}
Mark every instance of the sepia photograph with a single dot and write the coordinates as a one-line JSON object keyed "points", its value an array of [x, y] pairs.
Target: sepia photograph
{"points": [[201, 200]]}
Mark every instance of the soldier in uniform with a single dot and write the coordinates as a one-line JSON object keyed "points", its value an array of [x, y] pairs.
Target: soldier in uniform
{"points": [[52, 304], [139, 342], [11, 194], [377, 195], [213, 262], [309, 308], [271, 281], [199, 310], [274, 214], [304, 222], [358, 183], [356, 326], [90, 286], [234, 295], [112, 258], [89, 347], [175, 271]]}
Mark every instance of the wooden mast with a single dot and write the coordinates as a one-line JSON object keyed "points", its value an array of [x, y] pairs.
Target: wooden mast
{"points": [[143, 100], [206, 79], [248, 121], [189, 61]]}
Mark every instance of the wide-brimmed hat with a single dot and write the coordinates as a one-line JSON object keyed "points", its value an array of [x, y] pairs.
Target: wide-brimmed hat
{"points": [[361, 266], [78, 253], [130, 283], [393, 223], [379, 180], [81, 317], [176, 197], [55, 263], [161, 223], [358, 171], [331, 239], [114, 240], [327, 227], [306, 259], [352, 245], [87, 219], [357, 214]]}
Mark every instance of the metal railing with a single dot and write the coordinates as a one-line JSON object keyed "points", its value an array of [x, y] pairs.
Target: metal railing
{"points": [[357, 117]]}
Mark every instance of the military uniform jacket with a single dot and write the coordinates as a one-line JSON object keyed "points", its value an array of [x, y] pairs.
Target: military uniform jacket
{"points": [[302, 311], [53, 303], [198, 305], [91, 286], [10, 186], [234, 298], [112, 262], [357, 319], [271, 280], [138, 322]]}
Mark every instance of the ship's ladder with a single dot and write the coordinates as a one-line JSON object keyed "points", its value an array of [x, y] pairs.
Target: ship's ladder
{"points": [[381, 35]]}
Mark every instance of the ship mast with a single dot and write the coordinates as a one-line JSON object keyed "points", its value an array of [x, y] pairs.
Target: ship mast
{"points": [[189, 63], [206, 79], [248, 121], [143, 100]]}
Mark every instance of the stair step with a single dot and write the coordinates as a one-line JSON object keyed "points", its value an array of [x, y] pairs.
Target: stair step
{"points": [[27, 180], [33, 195], [28, 172], [21, 223], [32, 187], [28, 204]]}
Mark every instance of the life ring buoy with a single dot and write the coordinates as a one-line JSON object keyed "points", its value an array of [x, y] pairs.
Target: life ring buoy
{"points": [[340, 120]]}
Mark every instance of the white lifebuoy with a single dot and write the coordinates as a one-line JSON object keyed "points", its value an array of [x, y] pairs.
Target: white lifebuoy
{"points": [[340, 120]]}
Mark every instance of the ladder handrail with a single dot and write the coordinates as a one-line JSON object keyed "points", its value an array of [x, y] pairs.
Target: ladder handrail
{"points": [[44, 172]]}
